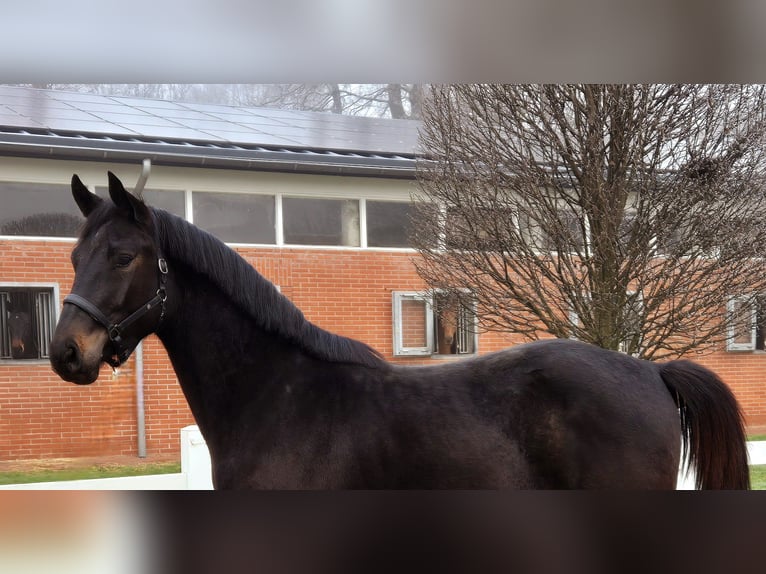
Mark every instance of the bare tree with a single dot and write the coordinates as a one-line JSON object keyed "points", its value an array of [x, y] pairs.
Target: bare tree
{"points": [[398, 101], [623, 215]]}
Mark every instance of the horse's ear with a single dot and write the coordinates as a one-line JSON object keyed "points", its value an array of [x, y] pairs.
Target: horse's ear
{"points": [[85, 200], [126, 201]]}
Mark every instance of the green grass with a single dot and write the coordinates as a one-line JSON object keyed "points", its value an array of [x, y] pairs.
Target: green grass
{"points": [[758, 471], [98, 471], [758, 477]]}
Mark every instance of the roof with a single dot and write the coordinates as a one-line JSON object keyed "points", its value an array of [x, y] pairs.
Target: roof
{"points": [[48, 123]]}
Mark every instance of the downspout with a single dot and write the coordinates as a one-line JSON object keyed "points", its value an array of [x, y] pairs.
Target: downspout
{"points": [[140, 414]]}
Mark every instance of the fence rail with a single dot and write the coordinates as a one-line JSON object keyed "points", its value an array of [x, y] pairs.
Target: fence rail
{"points": [[195, 473]]}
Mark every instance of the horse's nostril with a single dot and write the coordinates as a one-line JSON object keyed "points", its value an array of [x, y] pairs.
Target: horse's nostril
{"points": [[71, 357]]}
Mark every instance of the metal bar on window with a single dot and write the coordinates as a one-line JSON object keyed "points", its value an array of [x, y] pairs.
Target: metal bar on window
{"points": [[462, 331], [44, 323], [5, 343]]}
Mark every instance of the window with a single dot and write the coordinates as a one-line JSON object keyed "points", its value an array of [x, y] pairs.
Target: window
{"points": [[236, 217], [426, 324], [172, 201], [566, 231], [413, 324], [455, 329], [388, 223], [27, 320], [47, 210], [746, 317], [309, 221], [38, 210], [479, 229]]}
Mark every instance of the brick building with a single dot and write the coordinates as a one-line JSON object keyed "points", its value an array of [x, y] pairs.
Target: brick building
{"points": [[317, 203]]}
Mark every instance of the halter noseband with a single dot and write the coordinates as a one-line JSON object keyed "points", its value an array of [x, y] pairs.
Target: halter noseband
{"points": [[116, 331]]}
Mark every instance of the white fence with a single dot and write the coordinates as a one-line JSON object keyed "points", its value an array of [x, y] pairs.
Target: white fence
{"points": [[196, 471]]}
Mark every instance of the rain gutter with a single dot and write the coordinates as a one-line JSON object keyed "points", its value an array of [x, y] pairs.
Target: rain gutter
{"points": [[211, 155]]}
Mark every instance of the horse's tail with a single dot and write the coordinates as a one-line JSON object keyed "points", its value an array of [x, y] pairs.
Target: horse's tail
{"points": [[712, 426]]}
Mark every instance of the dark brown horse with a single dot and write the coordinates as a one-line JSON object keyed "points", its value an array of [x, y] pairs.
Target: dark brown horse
{"points": [[22, 337], [285, 404]]}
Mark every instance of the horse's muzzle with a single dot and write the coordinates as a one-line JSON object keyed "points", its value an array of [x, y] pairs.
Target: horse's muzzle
{"points": [[68, 361], [76, 356]]}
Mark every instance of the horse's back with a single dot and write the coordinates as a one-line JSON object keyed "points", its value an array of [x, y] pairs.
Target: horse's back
{"points": [[579, 416]]}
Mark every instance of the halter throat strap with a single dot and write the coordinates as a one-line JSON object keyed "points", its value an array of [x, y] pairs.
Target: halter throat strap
{"points": [[116, 331]]}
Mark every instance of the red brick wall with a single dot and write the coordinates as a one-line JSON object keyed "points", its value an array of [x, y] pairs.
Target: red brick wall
{"points": [[40, 415], [345, 291], [745, 373]]}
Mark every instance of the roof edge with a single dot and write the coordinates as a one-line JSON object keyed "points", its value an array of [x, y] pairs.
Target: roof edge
{"points": [[192, 154]]}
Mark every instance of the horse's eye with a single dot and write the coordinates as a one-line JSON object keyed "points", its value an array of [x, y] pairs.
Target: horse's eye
{"points": [[123, 260]]}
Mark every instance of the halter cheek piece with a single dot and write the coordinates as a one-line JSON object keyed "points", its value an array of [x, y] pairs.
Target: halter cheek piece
{"points": [[117, 330]]}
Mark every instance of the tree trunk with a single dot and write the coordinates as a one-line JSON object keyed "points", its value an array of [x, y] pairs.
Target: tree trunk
{"points": [[395, 104]]}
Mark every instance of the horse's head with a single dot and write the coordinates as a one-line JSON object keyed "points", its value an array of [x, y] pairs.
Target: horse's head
{"points": [[448, 324], [20, 329], [118, 294]]}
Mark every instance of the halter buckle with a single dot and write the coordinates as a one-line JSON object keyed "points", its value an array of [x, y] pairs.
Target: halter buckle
{"points": [[163, 265], [114, 333]]}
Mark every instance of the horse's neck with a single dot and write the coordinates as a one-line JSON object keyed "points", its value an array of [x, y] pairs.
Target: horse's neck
{"points": [[218, 353]]}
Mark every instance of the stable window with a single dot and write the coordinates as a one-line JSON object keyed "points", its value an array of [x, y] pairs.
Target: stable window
{"points": [[480, 229], [27, 321], [236, 217], [413, 324], [38, 210], [565, 233], [388, 223], [746, 323], [432, 324], [172, 201], [310, 221]]}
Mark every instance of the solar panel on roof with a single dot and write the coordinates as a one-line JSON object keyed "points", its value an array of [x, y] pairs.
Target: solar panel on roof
{"points": [[146, 103], [198, 123], [183, 114], [86, 127], [253, 138], [248, 120], [16, 120], [75, 98], [135, 121], [179, 133]]}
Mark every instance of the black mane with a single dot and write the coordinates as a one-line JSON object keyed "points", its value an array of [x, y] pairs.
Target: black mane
{"points": [[253, 293]]}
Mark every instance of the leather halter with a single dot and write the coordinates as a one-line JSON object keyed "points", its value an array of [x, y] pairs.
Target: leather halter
{"points": [[116, 331]]}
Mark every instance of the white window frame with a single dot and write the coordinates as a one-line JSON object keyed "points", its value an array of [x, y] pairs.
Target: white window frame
{"points": [[430, 325], [730, 327], [399, 349]]}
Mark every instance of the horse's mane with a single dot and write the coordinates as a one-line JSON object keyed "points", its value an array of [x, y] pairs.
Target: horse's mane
{"points": [[253, 293]]}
